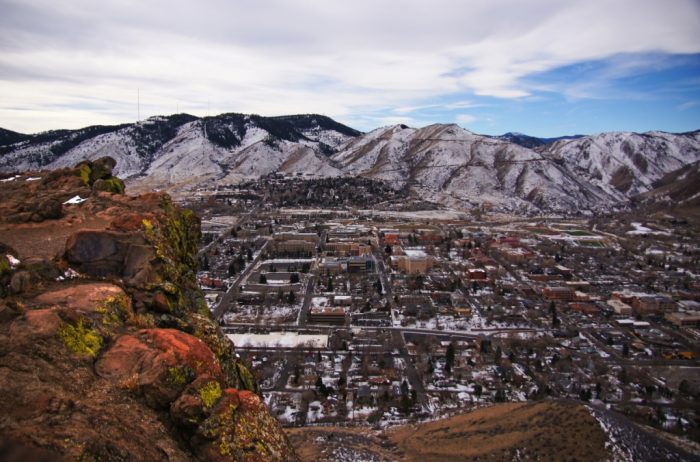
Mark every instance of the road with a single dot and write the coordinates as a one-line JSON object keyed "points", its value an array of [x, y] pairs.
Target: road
{"points": [[227, 298], [308, 295], [381, 269], [242, 219]]}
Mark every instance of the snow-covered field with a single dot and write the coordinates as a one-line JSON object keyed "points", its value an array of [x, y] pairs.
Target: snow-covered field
{"points": [[279, 340]]}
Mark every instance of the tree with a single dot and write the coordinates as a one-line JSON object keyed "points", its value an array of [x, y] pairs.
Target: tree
{"points": [[231, 269], [500, 396], [297, 373], [485, 346], [626, 350], [330, 284], [477, 390], [405, 404], [291, 298], [585, 394], [450, 357], [404, 388], [497, 355], [555, 319], [387, 250], [294, 278], [250, 254], [263, 279]]}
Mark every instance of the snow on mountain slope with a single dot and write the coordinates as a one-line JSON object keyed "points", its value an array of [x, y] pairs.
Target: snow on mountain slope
{"points": [[447, 163], [625, 164], [183, 151], [443, 163]]}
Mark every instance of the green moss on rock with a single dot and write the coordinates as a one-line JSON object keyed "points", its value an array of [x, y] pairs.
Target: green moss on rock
{"points": [[80, 339], [180, 375], [210, 393], [4, 265], [112, 185], [84, 171], [246, 379]]}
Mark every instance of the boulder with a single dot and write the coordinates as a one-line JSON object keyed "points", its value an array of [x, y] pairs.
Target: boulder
{"points": [[112, 185], [33, 325], [50, 209], [102, 253], [160, 361], [240, 428], [102, 168], [89, 297], [22, 281]]}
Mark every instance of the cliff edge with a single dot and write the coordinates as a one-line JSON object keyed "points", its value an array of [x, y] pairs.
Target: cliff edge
{"points": [[107, 350]]}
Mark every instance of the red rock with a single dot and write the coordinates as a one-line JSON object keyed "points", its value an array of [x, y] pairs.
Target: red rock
{"points": [[160, 303], [83, 297], [152, 356], [131, 221], [35, 324]]}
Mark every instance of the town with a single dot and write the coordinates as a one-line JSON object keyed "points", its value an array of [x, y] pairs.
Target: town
{"points": [[357, 303]]}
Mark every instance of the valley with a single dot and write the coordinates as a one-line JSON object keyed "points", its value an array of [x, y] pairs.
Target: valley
{"points": [[359, 305]]}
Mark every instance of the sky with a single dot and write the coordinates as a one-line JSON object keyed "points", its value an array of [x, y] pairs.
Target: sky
{"points": [[540, 67]]}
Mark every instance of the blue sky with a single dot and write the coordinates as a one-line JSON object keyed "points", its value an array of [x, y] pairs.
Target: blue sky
{"points": [[541, 67]]}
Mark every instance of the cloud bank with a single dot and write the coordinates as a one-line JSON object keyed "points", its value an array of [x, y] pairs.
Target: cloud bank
{"points": [[74, 63]]}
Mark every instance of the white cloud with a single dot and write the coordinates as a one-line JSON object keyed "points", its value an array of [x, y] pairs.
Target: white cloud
{"points": [[464, 119], [688, 105], [283, 56]]}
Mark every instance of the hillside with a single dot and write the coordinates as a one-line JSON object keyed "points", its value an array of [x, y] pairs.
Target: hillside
{"points": [[544, 431], [445, 164], [625, 164], [107, 349]]}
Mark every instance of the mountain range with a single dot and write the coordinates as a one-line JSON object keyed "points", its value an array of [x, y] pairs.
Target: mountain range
{"points": [[442, 162]]}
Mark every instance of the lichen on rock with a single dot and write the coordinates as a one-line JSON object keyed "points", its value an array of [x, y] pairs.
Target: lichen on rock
{"points": [[80, 339]]}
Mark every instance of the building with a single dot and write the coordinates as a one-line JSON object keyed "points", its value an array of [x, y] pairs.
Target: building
{"points": [[294, 247], [361, 265], [332, 266], [559, 293], [476, 274], [684, 319], [412, 261], [619, 307], [290, 236], [327, 315], [652, 304]]}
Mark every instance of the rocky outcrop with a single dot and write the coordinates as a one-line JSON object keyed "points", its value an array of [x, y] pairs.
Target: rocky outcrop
{"points": [[107, 350]]}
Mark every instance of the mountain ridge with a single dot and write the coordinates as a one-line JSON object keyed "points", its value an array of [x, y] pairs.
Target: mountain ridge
{"points": [[444, 163]]}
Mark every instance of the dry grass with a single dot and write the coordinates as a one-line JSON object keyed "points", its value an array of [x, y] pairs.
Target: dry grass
{"points": [[551, 430], [544, 431]]}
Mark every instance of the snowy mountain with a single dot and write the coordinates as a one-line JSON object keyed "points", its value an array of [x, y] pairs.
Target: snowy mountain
{"points": [[532, 142], [679, 188], [454, 166], [625, 164], [183, 151], [443, 163]]}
